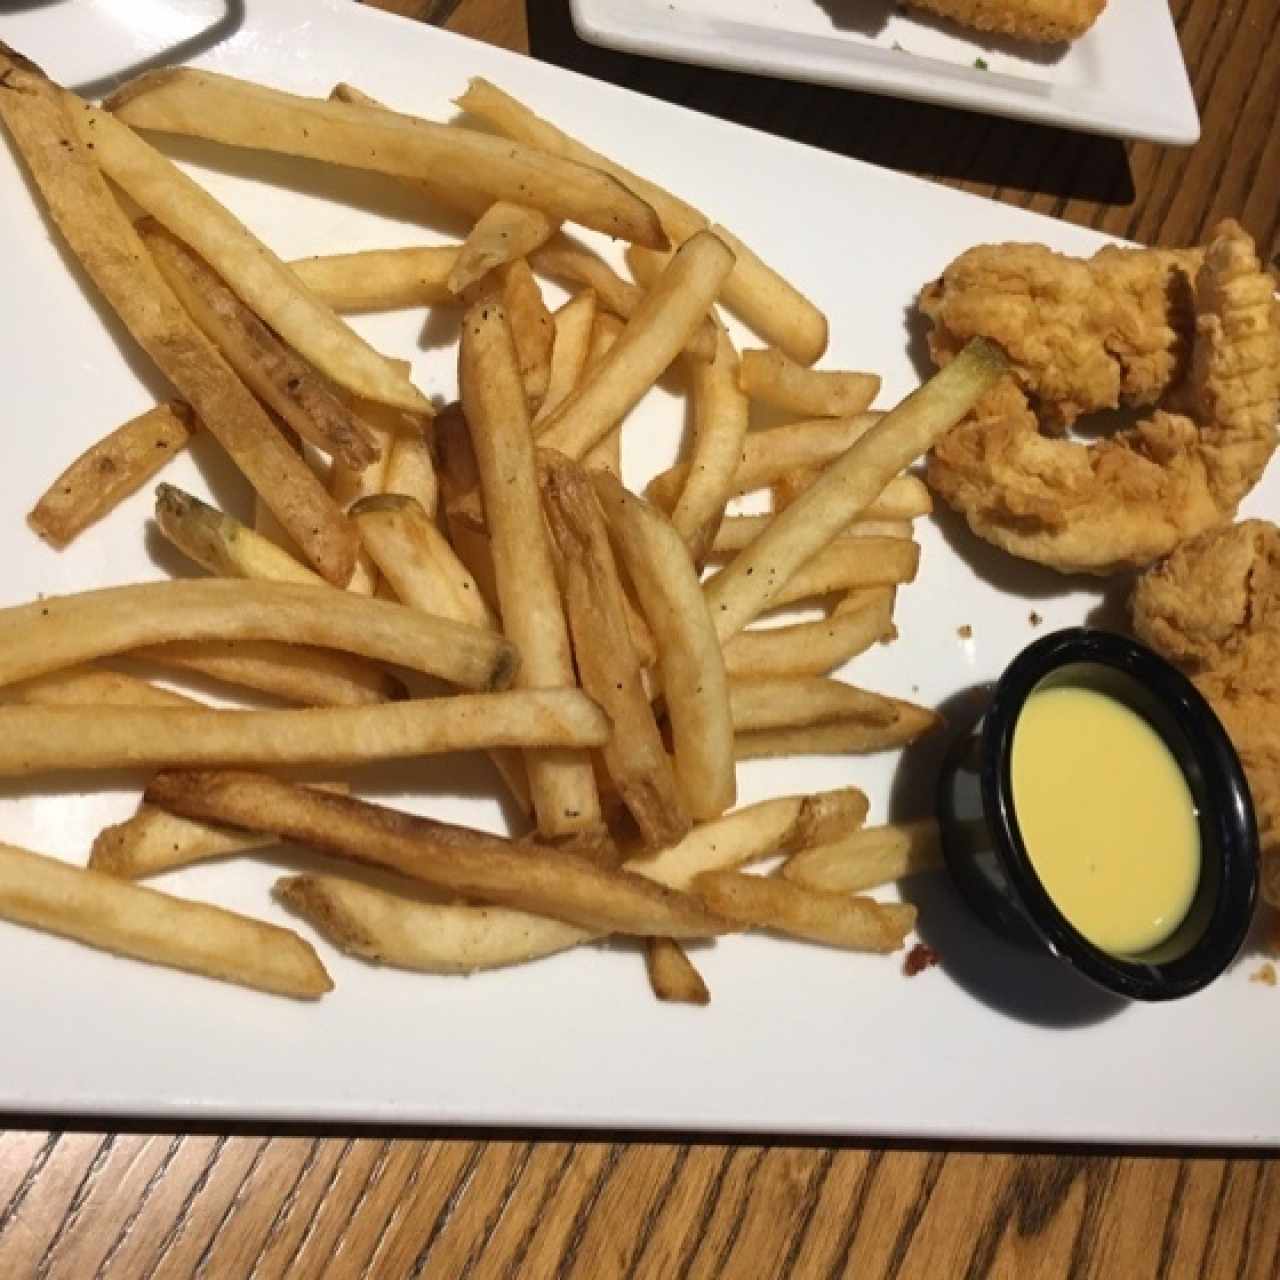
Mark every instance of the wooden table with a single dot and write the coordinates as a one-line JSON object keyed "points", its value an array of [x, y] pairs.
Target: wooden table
{"points": [[128, 1205]]}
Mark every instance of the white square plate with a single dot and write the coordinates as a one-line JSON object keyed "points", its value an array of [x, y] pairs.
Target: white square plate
{"points": [[798, 1038], [1125, 76]]}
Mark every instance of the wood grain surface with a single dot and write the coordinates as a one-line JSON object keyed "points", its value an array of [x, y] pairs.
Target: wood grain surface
{"points": [[135, 1205]]}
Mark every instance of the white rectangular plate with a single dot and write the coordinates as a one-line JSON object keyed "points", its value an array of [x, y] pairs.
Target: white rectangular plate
{"points": [[798, 1038], [1125, 76]]}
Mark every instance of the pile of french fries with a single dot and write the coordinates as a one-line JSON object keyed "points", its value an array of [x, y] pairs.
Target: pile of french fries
{"points": [[479, 577]]}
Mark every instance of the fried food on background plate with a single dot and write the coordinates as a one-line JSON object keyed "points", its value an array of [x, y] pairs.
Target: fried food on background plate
{"points": [[1193, 335], [1213, 607], [1045, 21]]}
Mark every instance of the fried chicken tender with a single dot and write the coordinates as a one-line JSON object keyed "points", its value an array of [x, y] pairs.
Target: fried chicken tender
{"points": [[1192, 334], [1213, 608], [1047, 21]]}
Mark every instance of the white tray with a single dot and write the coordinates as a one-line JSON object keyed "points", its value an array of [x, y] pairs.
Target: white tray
{"points": [[1125, 76], [798, 1038]]}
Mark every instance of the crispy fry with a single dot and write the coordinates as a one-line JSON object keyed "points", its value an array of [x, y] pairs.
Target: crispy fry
{"points": [[104, 241], [570, 349], [867, 859], [155, 840], [347, 485], [851, 564], [857, 924], [785, 701], [655, 334], [751, 581], [460, 480], [561, 783], [471, 864], [777, 311], [91, 686], [129, 920], [379, 279], [775, 379], [691, 666], [277, 376], [850, 735], [735, 532], [608, 667], [607, 454], [239, 113], [504, 233], [671, 973], [62, 631], [532, 328], [411, 472], [814, 648], [110, 470]]}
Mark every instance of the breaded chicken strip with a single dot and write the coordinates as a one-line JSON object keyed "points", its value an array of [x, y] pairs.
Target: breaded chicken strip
{"points": [[1048, 21]]}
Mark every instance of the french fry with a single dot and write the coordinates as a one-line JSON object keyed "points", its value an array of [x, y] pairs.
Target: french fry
{"points": [[470, 864], [671, 973], [785, 701], [411, 472], [220, 543], [251, 270], [347, 485], [735, 532], [504, 233], [851, 564], [814, 648], [690, 663], [110, 470], [867, 859], [720, 417], [155, 840], [112, 915], [845, 736], [90, 686], [385, 928], [305, 674], [607, 454], [760, 902], [39, 118], [236, 112], [756, 293], [634, 757], [277, 376], [752, 579], [459, 481], [379, 279], [654, 335], [532, 327], [63, 631], [55, 739], [493, 397], [570, 349], [773, 378], [568, 261]]}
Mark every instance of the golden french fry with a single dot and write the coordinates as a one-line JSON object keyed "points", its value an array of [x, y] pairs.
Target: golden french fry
{"points": [[155, 840], [92, 687], [63, 631], [38, 117], [760, 902], [112, 915], [782, 702], [671, 973], [277, 376], [777, 311], [532, 328], [720, 417], [654, 335], [493, 398], [504, 233], [690, 663], [236, 112], [607, 454], [470, 864], [735, 532], [55, 739], [570, 349], [379, 279], [868, 859], [752, 579], [775, 379], [385, 928], [411, 472], [634, 757], [834, 737], [252, 271], [110, 470], [851, 564], [459, 482], [347, 485]]}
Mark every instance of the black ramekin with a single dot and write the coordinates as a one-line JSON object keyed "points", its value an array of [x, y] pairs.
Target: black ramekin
{"points": [[987, 859]]}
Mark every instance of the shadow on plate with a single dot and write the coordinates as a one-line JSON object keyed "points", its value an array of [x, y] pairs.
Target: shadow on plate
{"points": [[909, 136], [1012, 980]]}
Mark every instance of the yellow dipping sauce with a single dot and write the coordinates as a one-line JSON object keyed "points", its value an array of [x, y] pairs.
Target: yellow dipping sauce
{"points": [[1106, 816]]}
